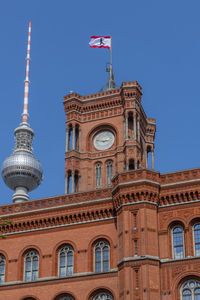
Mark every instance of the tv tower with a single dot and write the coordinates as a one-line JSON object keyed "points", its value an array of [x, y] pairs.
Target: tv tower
{"points": [[21, 171]]}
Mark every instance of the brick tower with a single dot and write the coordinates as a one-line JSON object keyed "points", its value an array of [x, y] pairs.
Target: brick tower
{"points": [[106, 133]]}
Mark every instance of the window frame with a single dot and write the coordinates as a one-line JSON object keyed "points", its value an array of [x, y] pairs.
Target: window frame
{"points": [[98, 295], [185, 286], [25, 256], [102, 259], [3, 258], [109, 171], [66, 260], [194, 243], [98, 179], [173, 246], [59, 297]]}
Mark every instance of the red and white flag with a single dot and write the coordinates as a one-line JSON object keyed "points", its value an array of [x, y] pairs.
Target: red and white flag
{"points": [[100, 42]]}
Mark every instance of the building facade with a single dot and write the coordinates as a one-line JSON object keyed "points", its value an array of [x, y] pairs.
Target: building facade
{"points": [[122, 231]]}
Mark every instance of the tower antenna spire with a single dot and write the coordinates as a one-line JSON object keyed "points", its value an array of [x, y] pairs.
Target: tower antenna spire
{"points": [[27, 82]]}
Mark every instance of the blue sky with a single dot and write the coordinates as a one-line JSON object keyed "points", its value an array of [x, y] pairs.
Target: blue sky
{"points": [[155, 42]]}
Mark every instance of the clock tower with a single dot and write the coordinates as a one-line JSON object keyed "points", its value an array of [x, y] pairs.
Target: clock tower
{"points": [[106, 133]]}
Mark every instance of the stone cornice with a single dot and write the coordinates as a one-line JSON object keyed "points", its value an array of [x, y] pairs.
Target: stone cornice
{"points": [[156, 258], [43, 280], [40, 226]]}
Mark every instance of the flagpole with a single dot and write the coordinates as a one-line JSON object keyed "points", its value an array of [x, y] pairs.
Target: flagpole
{"points": [[110, 61]]}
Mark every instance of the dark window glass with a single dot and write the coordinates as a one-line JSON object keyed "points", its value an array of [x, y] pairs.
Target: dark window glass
{"points": [[31, 267], [190, 290], [102, 256], [197, 239], [66, 258], [103, 296], [98, 175], [109, 168], [2, 268], [178, 248]]}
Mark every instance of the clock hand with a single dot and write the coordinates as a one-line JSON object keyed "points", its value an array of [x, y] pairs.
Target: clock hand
{"points": [[105, 140]]}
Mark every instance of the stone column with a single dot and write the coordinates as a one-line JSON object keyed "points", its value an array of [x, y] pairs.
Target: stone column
{"points": [[138, 130], [146, 157], [73, 137], [79, 140], [134, 126], [126, 127], [73, 183], [67, 139], [152, 160], [124, 130], [66, 184], [79, 183]]}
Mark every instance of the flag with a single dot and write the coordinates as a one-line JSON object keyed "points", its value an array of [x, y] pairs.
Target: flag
{"points": [[100, 42]]}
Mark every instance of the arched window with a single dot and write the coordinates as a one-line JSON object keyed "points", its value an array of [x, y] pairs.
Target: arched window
{"points": [[103, 296], [178, 247], [149, 160], [109, 170], [76, 181], [66, 261], [2, 268], [190, 290], [64, 297], [196, 229], [69, 182], [102, 256], [70, 138], [130, 126], [131, 165], [31, 265], [77, 137], [98, 174]]}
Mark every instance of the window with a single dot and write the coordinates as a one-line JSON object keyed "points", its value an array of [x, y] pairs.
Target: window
{"points": [[65, 297], [190, 290], [102, 256], [98, 175], [131, 165], [178, 249], [31, 265], [130, 126], [2, 268], [66, 257], [196, 229], [109, 169], [103, 296]]}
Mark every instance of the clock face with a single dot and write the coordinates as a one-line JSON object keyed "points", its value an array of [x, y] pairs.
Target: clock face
{"points": [[104, 140]]}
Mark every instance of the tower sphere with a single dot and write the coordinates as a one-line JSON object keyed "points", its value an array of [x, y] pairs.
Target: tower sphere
{"points": [[22, 169]]}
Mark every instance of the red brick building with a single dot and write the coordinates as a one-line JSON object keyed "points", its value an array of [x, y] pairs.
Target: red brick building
{"points": [[122, 231]]}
